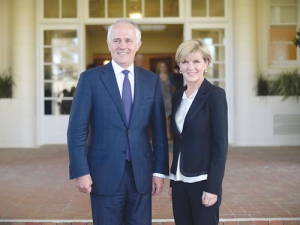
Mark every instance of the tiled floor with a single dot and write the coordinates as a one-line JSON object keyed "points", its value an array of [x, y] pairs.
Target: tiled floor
{"points": [[260, 182]]}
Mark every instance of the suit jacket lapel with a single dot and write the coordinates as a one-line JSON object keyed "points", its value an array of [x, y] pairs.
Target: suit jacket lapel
{"points": [[109, 80], [138, 90], [198, 102]]}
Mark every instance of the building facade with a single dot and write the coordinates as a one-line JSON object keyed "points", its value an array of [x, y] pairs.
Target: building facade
{"points": [[48, 43]]}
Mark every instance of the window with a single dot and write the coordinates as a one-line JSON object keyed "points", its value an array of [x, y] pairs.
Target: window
{"points": [[284, 21], [133, 9], [60, 9], [215, 41], [60, 70], [207, 8]]}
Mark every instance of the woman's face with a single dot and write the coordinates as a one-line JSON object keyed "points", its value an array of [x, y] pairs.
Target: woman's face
{"points": [[193, 67]]}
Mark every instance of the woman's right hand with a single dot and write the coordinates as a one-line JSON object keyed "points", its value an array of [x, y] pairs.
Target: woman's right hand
{"points": [[170, 193]]}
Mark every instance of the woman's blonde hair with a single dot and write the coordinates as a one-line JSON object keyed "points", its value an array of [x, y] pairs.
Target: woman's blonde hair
{"points": [[191, 47]]}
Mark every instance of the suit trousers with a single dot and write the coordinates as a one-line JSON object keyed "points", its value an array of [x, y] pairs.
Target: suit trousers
{"points": [[187, 206], [125, 207]]}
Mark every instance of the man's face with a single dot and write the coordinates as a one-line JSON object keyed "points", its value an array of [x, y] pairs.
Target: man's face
{"points": [[123, 44]]}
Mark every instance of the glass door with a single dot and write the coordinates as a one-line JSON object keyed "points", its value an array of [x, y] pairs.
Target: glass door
{"points": [[218, 39], [58, 80], [215, 39]]}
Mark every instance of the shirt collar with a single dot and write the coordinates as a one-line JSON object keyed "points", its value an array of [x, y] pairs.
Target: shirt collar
{"points": [[118, 69], [192, 95]]}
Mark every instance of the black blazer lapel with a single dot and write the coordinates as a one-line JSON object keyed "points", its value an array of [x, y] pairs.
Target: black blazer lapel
{"points": [[176, 102], [109, 80], [198, 102]]}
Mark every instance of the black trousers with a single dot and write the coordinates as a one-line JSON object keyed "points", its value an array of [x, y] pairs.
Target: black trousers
{"points": [[187, 206]]}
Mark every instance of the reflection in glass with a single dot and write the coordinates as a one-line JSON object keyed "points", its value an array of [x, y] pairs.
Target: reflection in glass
{"points": [[61, 72], [51, 8], [171, 8], [69, 8], [282, 33], [288, 14], [152, 8], [198, 8], [47, 55], [115, 8], [216, 70], [57, 107], [282, 52], [216, 8], [219, 84], [133, 9], [55, 89], [211, 36], [58, 37], [96, 8]]}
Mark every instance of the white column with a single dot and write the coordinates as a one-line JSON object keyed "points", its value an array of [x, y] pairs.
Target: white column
{"points": [[5, 35], [245, 66], [24, 64]]}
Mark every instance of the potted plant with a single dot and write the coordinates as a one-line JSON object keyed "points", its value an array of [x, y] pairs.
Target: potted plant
{"points": [[6, 83], [296, 39], [287, 85]]}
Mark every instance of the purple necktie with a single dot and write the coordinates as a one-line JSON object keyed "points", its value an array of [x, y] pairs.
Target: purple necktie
{"points": [[127, 104]]}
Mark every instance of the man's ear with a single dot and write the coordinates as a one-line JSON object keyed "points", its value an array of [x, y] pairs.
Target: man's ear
{"points": [[139, 45], [108, 45]]}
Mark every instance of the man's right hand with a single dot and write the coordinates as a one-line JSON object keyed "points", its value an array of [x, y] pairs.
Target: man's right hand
{"points": [[84, 183]]}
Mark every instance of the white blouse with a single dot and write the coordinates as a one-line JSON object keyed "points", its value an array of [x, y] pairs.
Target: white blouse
{"points": [[180, 115]]}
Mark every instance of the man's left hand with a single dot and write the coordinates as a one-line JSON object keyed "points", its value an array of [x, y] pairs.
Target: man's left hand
{"points": [[157, 185]]}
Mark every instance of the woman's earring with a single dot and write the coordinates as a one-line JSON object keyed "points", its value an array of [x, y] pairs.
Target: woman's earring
{"points": [[205, 71], [180, 71]]}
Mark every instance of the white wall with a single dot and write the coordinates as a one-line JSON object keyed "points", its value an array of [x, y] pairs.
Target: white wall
{"points": [[253, 115], [18, 115]]}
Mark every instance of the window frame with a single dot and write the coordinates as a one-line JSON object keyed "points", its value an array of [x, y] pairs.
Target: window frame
{"points": [[282, 63]]}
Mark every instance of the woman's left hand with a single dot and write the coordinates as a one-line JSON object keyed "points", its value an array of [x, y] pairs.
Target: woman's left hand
{"points": [[209, 199]]}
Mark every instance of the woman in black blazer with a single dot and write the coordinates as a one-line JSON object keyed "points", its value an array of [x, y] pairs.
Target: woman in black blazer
{"points": [[200, 130]]}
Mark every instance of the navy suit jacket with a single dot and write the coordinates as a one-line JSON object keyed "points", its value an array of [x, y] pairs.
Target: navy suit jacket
{"points": [[98, 133], [203, 142]]}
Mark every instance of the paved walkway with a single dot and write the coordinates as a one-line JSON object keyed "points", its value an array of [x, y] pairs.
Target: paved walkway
{"points": [[261, 184]]}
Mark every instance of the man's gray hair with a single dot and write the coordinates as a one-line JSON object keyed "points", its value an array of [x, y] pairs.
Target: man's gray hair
{"points": [[136, 27]]}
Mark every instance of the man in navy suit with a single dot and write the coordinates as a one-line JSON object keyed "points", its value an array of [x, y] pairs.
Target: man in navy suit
{"points": [[110, 152]]}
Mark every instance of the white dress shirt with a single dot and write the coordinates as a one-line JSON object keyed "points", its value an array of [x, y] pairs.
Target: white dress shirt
{"points": [[180, 115], [120, 78]]}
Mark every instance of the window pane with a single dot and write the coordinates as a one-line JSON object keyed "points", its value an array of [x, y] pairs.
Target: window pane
{"points": [[51, 36], [152, 8], [133, 9], [57, 89], [288, 14], [282, 33], [51, 8], [211, 36], [281, 2], [69, 8], [171, 8], [216, 8], [217, 53], [218, 83], [115, 8], [61, 72], [47, 54], [282, 52], [198, 8], [96, 8], [216, 70], [58, 106]]}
